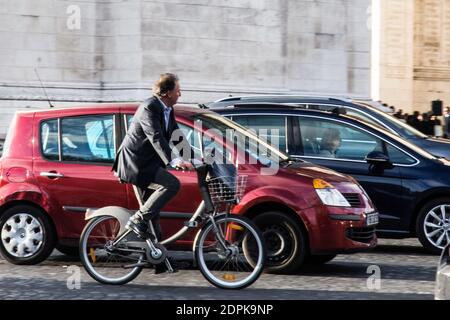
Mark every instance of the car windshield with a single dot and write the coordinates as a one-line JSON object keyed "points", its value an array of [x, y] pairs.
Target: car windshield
{"points": [[253, 144], [402, 128], [403, 142]]}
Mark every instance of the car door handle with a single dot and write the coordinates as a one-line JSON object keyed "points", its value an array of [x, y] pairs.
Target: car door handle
{"points": [[51, 175]]}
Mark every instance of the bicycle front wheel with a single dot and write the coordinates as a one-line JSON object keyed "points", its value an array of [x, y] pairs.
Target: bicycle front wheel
{"points": [[105, 262], [230, 252]]}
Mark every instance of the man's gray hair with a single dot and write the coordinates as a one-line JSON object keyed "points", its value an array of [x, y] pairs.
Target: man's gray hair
{"points": [[164, 84]]}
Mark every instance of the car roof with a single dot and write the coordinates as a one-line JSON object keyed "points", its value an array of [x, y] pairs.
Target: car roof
{"points": [[181, 110], [273, 107], [229, 101], [282, 97], [286, 109], [243, 101]]}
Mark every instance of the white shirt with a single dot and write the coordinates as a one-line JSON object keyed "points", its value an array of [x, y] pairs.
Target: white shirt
{"points": [[175, 162], [167, 111]]}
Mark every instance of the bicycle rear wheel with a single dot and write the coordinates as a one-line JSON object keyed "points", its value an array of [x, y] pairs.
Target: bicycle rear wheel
{"points": [[105, 262], [240, 262]]}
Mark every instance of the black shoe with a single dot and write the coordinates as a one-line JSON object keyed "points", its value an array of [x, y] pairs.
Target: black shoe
{"points": [[138, 225], [161, 267]]}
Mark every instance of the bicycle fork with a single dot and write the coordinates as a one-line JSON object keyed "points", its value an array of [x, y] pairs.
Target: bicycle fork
{"points": [[219, 235]]}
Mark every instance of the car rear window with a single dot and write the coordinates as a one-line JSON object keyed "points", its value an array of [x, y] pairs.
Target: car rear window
{"points": [[49, 139], [80, 139]]}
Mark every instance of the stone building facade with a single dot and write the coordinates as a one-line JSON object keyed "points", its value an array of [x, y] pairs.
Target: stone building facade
{"points": [[217, 47], [414, 53]]}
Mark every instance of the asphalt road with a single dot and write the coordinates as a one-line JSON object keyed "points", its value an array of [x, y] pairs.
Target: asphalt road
{"points": [[405, 272]]}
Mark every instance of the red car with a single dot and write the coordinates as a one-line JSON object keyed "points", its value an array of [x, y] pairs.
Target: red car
{"points": [[56, 163]]}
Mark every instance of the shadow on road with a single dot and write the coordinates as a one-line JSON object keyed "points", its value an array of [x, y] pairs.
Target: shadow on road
{"points": [[49, 289], [408, 250], [359, 270]]}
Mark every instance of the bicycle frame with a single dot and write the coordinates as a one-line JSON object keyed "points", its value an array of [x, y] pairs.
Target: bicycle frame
{"points": [[229, 250], [123, 215]]}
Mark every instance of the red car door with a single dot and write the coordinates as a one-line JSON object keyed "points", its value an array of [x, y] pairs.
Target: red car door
{"points": [[74, 167]]}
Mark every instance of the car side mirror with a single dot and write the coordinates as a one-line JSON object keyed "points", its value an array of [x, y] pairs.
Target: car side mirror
{"points": [[378, 158]]}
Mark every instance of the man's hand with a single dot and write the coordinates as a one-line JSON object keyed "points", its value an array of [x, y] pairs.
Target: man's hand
{"points": [[185, 165], [180, 164]]}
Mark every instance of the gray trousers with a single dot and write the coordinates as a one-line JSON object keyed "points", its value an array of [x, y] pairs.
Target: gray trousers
{"points": [[164, 187]]}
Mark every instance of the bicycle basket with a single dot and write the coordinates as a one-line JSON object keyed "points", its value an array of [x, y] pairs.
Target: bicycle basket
{"points": [[226, 188]]}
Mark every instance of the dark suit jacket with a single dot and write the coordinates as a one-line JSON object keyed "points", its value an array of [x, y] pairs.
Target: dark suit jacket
{"points": [[145, 147]]}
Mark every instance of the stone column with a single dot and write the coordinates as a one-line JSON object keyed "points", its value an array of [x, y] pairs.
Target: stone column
{"points": [[432, 53], [396, 53]]}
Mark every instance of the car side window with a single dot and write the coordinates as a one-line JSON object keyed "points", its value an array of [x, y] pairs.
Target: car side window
{"points": [[330, 139], [88, 139], [211, 147], [193, 138], [349, 112], [398, 156], [129, 120], [271, 128], [49, 139]]}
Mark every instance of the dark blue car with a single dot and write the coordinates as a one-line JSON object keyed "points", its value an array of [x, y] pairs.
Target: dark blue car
{"points": [[358, 109], [409, 186]]}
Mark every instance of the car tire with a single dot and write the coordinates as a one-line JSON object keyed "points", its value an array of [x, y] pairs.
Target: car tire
{"points": [[68, 251], [432, 229], [316, 259], [286, 242], [31, 230]]}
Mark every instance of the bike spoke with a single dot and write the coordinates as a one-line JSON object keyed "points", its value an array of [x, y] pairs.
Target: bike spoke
{"points": [[103, 260], [240, 263]]}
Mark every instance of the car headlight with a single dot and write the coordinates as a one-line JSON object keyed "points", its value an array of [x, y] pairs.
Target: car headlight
{"points": [[329, 195]]}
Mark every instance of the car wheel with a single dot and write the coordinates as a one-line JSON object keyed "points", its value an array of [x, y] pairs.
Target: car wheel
{"points": [[69, 251], [27, 236], [285, 242], [433, 225], [319, 259]]}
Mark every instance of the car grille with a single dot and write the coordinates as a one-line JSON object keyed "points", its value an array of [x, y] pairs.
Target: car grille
{"points": [[365, 235], [353, 199]]}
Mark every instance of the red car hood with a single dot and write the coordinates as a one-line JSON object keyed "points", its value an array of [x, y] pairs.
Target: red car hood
{"points": [[314, 171]]}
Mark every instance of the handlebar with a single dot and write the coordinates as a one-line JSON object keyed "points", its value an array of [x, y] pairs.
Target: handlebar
{"points": [[197, 166], [203, 170]]}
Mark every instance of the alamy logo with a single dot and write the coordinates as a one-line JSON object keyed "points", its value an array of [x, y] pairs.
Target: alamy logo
{"points": [[374, 281], [74, 18], [74, 280]]}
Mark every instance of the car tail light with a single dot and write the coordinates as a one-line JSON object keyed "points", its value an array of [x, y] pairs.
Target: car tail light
{"points": [[2, 182]]}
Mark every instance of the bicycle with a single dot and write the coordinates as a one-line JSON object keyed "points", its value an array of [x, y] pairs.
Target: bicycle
{"points": [[228, 249]]}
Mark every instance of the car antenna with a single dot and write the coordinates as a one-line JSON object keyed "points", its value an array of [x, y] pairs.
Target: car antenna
{"points": [[43, 88]]}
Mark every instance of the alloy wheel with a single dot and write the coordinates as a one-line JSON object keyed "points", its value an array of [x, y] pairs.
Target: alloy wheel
{"points": [[437, 226]]}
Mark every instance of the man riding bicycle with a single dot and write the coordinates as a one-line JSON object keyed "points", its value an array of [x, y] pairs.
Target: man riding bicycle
{"points": [[145, 153]]}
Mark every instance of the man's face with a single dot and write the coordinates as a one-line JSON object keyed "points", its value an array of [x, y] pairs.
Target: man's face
{"points": [[174, 94]]}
